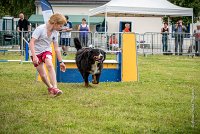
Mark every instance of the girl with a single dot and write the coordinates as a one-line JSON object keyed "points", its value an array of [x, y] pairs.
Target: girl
{"points": [[41, 51]]}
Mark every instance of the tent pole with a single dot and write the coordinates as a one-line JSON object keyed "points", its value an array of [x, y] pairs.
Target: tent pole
{"points": [[105, 21], [192, 24], [88, 20], [168, 23], [192, 28], [106, 27], [90, 29], [169, 28]]}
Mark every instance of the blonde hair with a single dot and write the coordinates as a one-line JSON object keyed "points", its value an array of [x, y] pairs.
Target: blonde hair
{"points": [[57, 19]]}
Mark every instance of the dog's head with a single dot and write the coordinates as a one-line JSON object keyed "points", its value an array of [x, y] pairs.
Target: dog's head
{"points": [[97, 55]]}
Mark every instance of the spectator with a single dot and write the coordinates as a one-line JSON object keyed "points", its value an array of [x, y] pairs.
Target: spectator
{"points": [[41, 51], [66, 36], [165, 32], [197, 40], [114, 42], [127, 28], [84, 29], [23, 25], [180, 30]]}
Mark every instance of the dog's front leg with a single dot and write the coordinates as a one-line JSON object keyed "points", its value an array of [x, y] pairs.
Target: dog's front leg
{"points": [[85, 76], [95, 78]]}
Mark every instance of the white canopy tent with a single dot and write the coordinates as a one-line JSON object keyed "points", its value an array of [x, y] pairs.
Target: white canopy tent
{"points": [[136, 8]]}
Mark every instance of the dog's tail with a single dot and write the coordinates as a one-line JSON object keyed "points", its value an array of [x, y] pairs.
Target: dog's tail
{"points": [[77, 44]]}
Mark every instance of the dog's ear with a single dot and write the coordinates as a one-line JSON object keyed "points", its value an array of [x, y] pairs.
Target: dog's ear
{"points": [[103, 53]]}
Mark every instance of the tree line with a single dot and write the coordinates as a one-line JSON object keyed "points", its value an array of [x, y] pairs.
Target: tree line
{"points": [[195, 4], [14, 7]]}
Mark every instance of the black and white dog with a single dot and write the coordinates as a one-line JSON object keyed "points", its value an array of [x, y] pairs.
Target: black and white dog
{"points": [[89, 61]]}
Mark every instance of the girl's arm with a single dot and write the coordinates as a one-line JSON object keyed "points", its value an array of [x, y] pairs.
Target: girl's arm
{"points": [[58, 54], [31, 45]]}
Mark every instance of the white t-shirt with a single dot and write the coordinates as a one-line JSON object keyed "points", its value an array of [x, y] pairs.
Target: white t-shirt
{"points": [[66, 34], [43, 42]]}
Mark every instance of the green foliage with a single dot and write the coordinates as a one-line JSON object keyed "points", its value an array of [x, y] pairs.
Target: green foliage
{"points": [[195, 4], [159, 103], [14, 7]]}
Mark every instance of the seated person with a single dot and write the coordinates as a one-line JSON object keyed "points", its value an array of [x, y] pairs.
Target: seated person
{"points": [[127, 28], [113, 42]]}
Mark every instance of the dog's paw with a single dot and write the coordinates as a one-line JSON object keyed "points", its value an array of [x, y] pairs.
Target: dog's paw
{"points": [[87, 85], [95, 82]]}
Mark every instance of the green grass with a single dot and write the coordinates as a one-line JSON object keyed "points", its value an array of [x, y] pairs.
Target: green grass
{"points": [[11, 56], [18, 56], [159, 103]]}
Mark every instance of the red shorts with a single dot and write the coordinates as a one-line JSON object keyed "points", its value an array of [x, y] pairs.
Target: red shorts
{"points": [[42, 57]]}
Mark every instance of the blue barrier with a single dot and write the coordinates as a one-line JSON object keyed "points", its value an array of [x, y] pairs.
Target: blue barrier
{"points": [[26, 51]]}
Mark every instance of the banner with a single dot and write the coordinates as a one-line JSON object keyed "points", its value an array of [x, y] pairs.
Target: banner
{"points": [[47, 10]]}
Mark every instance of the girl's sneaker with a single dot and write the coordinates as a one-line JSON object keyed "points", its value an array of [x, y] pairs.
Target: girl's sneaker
{"points": [[54, 91]]}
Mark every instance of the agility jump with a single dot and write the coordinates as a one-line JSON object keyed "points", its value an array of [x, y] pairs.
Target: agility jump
{"points": [[123, 69]]}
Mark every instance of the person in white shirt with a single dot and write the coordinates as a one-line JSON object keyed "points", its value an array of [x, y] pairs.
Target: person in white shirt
{"points": [[66, 36]]}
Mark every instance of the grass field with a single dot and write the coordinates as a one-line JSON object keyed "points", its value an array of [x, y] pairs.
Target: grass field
{"points": [[161, 102], [18, 56]]}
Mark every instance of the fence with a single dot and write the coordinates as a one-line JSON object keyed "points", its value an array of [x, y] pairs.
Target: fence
{"points": [[13, 46], [16, 44], [147, 43], [167, 43], [108, 41], [86, 39]]}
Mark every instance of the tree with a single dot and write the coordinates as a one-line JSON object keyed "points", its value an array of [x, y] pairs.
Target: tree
{"points": [[14, 7], [195, 4]]}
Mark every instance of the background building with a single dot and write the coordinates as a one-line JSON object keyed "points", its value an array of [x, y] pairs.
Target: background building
{"points": [[77, 9]]}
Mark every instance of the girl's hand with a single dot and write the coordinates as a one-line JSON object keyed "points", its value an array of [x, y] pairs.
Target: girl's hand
{"points": [[35, 60], [62, 67]]}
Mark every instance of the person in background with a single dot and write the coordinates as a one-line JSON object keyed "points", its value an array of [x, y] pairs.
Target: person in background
{"points": [[23, 25], [66, 36], [127, 28], [83, 35], [197, 40], [180, 30], [165, 32], [114, 42], [41, 52]]}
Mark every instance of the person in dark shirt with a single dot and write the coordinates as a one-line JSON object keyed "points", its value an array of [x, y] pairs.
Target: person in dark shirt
{"points": [[165, 32], [23, 25], [180, 31]]}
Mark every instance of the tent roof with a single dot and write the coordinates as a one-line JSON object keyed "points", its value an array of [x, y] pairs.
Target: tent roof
{"points": [[129, 8]]}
